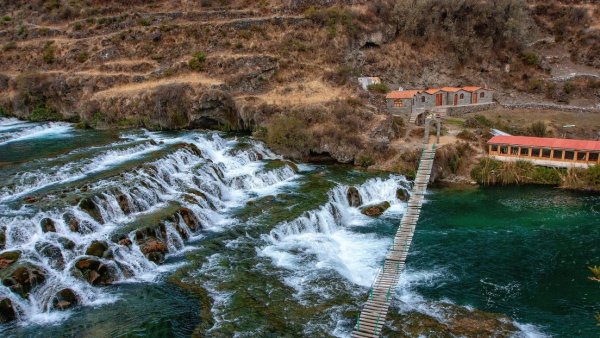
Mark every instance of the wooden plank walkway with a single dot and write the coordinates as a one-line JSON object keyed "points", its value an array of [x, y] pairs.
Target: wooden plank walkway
{"points": [[372, 317]]}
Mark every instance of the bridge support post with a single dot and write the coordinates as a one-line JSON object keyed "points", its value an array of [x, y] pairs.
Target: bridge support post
{"points": [[439, 130]]}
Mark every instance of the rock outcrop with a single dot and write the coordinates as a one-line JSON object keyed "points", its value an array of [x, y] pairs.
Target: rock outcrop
{"points": [[376, 209], [94, 271], [354, 198]]}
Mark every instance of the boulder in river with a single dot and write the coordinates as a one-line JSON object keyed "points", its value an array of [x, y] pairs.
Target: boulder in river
{"points": [[65, 299], [47, 225], [94, 271], [2, 238], [72, 222], [88, 205], [66, 243], [9, 258], [189, 218], [375, 209], [123, 203], [97, 248], [354, 198], [7, 311], [154, 249], [52, 252], [22, 278], [402, 194]]}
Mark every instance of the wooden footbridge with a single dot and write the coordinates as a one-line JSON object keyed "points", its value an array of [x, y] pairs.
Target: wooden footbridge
{"points": [[372, 317]]}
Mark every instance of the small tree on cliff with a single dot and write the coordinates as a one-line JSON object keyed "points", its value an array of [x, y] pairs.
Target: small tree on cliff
{"points": [[287, 134]]}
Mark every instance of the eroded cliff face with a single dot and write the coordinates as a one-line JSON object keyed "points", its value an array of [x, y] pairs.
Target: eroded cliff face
{"points": [[246, 66]]}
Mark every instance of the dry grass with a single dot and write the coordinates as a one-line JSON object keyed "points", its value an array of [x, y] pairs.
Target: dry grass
{"points": [[192, 79], [311, 92]]}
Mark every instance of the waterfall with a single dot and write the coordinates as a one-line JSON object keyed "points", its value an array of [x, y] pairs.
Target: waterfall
{"points": [[107, 214], [329, 238]]}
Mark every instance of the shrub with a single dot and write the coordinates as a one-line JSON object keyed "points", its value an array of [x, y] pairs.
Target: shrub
{"points": [[467, 135], [364, 161], [568, 87], [6, 18], [288, 134], [535, 86], [11, 45], [537, 129], [22, 32], [48, 52], [77, 26], [491, 172], [144, 22], [380, 88], [81, 57], [44, 113], [197, 61], [478, 121], [531, 58]]}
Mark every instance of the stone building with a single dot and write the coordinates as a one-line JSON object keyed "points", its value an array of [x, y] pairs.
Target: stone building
{"points": [[439, 100]]}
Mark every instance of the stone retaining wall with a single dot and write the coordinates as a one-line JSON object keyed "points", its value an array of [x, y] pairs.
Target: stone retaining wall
{"points": [[460, 110]]}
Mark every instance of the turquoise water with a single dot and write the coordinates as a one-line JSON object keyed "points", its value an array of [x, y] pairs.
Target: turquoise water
{"points": [[282, 253]]}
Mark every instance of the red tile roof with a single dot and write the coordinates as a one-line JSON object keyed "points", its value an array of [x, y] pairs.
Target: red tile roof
{"points": [[432, 91], [546, 142], [451, 89], [471, 88], [404, 94]]}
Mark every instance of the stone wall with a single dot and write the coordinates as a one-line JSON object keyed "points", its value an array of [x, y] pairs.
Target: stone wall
{"points": [[460, 110]]}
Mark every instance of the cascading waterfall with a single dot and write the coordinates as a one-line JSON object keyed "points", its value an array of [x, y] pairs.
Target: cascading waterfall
{"points": [[81, 233], [323, 237]]}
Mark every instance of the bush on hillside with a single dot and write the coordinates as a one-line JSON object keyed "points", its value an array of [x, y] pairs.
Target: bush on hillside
{"points": [[492, 172], [197, 61], [380, 88], [538, 129], [465, 25], [288, 134], [48, 52]]}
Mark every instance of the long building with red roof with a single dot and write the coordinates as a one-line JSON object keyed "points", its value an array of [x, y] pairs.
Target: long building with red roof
{"points": [[546, 151]]}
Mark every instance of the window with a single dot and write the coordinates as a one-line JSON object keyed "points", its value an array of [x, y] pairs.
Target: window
{"points": [[494, 147], [482, 95], [569, 155], [524, 151], [398, 103], [514, 151], [535, 152], [422, 98], [593, 157], [504, 150], [581, 156], [557, 154], [462, 96], [546, 153]]}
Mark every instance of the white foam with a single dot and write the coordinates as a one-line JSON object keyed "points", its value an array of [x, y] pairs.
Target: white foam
{"points": [[47, 130]]}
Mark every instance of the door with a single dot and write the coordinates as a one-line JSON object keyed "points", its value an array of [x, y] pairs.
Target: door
{"points": [[438, 99], [456, 99], [474, 96]]}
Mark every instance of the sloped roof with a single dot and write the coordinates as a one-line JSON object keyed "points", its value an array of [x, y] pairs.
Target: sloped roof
{"points": [[451, 89], [471, 88], [432, 91], [546, 142], [403, 94]]}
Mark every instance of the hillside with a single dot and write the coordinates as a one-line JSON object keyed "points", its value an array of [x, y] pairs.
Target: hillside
{"points": [[286, 69]]}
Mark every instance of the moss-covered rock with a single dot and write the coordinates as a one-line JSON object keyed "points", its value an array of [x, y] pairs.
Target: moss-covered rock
{"points": [[375, 209]]}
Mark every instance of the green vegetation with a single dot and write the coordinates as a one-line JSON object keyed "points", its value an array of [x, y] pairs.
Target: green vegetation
{"points": [[332, 17], [288, 133], [467, 135], [48, 52], [22, 31], [77, 26], [531, 58], [492, 172], [81, 57], [6, 18], [144, 22], [535, 86], [44, 113], [365, 161], [197, 61], [583, 179], [380, 88], [537, 129]]}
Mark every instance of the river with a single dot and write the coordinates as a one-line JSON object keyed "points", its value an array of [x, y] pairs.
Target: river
{"points": [[110, 233]]}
